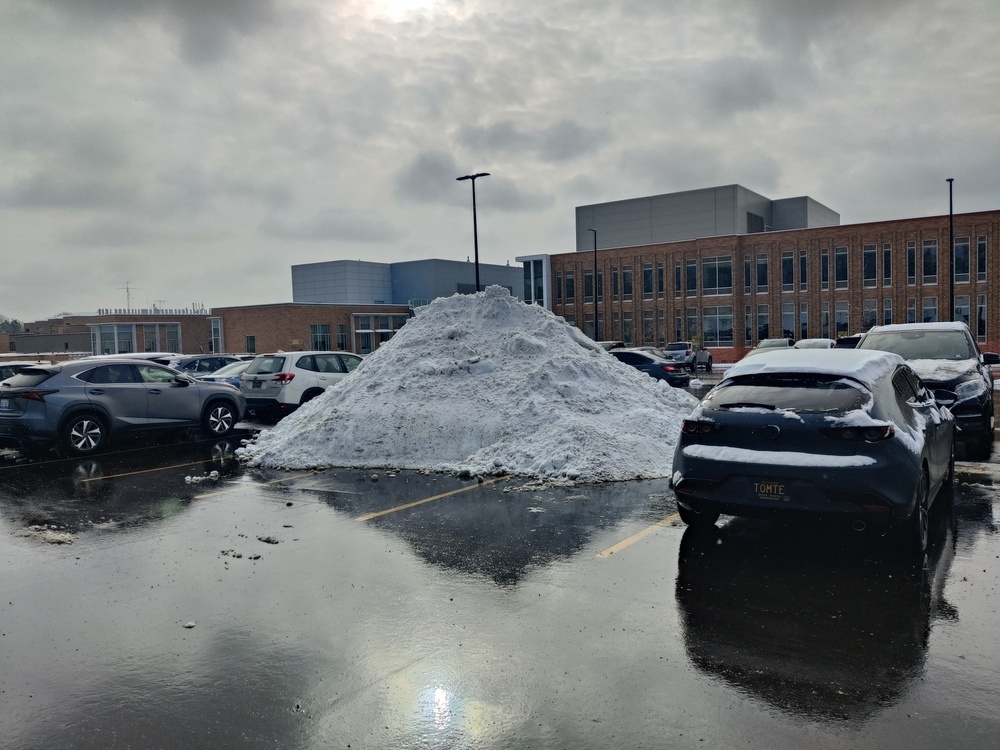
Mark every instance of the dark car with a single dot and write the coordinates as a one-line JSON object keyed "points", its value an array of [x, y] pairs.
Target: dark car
{"points": [[655, 366], [770, 345], [851, 434], [945, 355], [202, 363], [80, 406]]}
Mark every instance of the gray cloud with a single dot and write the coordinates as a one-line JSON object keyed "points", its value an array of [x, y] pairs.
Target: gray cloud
{"points": [[332, 226]]}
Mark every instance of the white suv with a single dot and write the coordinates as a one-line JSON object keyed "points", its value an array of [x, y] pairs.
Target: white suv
{"points": [[277, 384]]}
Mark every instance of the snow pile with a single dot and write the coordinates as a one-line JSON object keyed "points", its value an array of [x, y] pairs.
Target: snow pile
{"points": [[484, 384]]}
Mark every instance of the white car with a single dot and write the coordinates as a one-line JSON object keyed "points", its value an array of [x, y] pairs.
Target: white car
{"points": [[277, 384]]}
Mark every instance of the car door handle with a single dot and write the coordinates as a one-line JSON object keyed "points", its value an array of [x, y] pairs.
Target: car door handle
{"points": [[154, 391], [96, 391]]}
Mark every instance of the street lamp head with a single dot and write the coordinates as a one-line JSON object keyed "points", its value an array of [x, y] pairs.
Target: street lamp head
{"points": [[473, 176]]}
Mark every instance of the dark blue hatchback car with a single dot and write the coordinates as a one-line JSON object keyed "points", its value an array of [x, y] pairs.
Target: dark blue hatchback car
{"points": [[674, 373]]}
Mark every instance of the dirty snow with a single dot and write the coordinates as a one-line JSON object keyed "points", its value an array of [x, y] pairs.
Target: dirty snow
{"points": [[482, 385]]}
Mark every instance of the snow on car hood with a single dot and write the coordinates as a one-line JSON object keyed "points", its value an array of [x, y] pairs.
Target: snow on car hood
{"points": [[486, 384], [942, 370]]}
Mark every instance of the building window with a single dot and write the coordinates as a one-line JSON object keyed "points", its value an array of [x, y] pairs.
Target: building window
{"points": [[763, 322], [787, 272], [962, 311], [746, 276], [691, 315], [718, 326], [804, 320], [151, 338], [929, 311], [761, 274], [628, 329], [616, 326], [588, 287], [981, 318], [661, 328], [788, 320], [841, 317], [627, 285], [981, 259], [748, 324], [825, 319], [588, 325], [840, 268], [342, 336], [803, 272], [717, 276], [173, 331], [251, 345], [678, 332], [930, 263], [887, 312], [559, 288], [869, 267], [647, 281], [570, 288], [216, 343], [691, 280], [824, 270], [538, 296], [961, 260], [911, 263], [886, 265], [648, 328], [677, 280], [614, 285], [911, 310], [869, 313], [661, 282], [319, 336], [115, 339]]}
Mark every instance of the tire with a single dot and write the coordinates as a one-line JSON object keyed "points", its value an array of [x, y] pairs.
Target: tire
{"points": [[948, 485], [219, 419], [694, 519], [915, 530], [83, 434], [708, 365], [309, 396]]}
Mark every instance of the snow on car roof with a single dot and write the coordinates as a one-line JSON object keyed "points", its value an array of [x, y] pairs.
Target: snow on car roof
{"points": [[939, 326], [864, 365]]}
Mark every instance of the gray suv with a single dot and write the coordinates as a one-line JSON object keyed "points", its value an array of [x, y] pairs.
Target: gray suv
{"points": [[80, 406], [691, 355]]}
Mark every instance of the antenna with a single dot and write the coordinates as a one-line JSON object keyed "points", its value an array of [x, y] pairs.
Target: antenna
{"points": [[128, 295]]}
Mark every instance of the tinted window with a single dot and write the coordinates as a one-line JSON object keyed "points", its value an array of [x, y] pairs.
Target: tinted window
{"points": [[307, 363], [350, 361], [922, 344], [266, 366], [629, 358], [110, 374], [328, 363], [807, 394], [28, 378]]}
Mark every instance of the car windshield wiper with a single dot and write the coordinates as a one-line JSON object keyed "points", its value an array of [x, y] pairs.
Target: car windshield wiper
{"points": [[746, 405]]}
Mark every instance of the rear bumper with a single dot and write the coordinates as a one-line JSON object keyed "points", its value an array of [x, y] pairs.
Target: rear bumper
{"points": [[268, 408]]}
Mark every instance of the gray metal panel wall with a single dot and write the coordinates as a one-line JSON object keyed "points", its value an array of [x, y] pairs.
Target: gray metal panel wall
{"points": [[802, 213], [428, 279], [346, 282]]}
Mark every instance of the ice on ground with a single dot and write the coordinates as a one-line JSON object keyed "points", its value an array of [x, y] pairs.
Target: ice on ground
{"points": [[485, 384]]}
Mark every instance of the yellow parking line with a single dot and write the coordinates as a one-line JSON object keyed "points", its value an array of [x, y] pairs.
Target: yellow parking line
{"points": [[370, 516], [636, 537], [232, 487], [141, 471]]}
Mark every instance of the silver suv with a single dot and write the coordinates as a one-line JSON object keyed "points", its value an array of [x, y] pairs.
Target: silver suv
{"points": [[689, 354], [277, 384], [80, 406]]}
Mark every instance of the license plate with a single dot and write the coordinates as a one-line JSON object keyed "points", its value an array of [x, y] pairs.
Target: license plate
{"points": [[255, 384], [771, 490]]}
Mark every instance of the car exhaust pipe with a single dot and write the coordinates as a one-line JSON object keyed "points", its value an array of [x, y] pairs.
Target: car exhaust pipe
{"points": [[859, 525]]}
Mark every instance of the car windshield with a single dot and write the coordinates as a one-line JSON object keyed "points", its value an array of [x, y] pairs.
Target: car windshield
{"points": [[28, 378], [233, 368], [769, 343], [676, 347], [266, 366], [798, 393], [951, 345]]}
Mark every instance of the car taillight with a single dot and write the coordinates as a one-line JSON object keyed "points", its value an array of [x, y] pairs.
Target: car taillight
{"points": [[870, 434], [699, 427], [284, 377], [669, 368], [35, 395], [687, 353]]}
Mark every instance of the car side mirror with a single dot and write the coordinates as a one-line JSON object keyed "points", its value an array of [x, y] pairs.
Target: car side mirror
{"points": [[183, 379], [991, 358], [944, 397]]}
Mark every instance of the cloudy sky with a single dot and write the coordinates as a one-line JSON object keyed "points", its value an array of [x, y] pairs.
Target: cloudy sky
{"points": [[193, 150]]}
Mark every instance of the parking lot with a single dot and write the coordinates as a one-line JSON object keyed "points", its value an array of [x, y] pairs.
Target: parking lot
{"points": [[165, 596]]}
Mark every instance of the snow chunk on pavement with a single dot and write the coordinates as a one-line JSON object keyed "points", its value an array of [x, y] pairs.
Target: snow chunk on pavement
{"points": [[485, 384]]}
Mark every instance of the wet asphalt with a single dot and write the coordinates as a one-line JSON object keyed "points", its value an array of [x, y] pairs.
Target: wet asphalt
{"points": [[147, 602]]}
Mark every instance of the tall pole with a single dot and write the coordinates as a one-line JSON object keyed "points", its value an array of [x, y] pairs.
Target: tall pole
{"points": [[951, 252], [597, 314], [475, 226]]}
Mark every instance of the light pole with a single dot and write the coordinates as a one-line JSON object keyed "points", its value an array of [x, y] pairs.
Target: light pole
{"points": [[597, 314], [951, 253], [475, 228]]}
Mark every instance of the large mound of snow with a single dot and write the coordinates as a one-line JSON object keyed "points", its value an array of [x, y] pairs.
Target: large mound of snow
{"points": [[486, 384]]}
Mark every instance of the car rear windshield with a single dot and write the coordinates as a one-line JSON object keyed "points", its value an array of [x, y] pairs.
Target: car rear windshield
{"points": [[266, 366], [676, 347], [798, 393], [921, 344], [28, 377]]}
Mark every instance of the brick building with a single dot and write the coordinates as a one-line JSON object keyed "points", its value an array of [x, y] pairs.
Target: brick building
{"points": [[731, 291]]}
